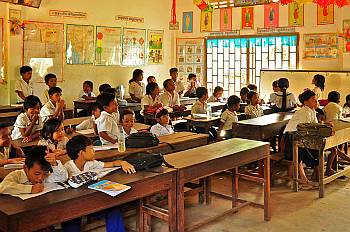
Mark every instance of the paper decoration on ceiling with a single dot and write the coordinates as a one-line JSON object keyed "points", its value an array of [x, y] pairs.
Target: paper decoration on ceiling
{"points": [[296, 14], [201, 4], [247, 18], [226, 19], [271, 15]]}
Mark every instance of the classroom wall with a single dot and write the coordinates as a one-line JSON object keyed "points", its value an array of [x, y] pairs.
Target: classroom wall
{"points": [[156, 14]]}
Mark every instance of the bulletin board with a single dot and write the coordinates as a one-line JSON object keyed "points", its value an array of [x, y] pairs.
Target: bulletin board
{"points": [[43, 46], [108, 45], [134, 46], [190, 57]]}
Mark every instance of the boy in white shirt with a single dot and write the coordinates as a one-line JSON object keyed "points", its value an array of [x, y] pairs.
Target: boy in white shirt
{"points": [[192, 85], [54, 107], [9, 152], [162, 127], [199, 106], [179, 87], [23, 86], [136, 86], [170, 98], [128, 121], [50, 81], [253, 110], [333, 110], [86, 92], [217, 94], [229, 116]]}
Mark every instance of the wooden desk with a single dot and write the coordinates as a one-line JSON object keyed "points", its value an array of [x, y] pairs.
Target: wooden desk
{"points": [[11, 108], [341, 136], [205, 123], [216, 106], [63, 205], [8, 118], [205, 161], [74, 121], [266, 108], [188, 101], [84, 105]]}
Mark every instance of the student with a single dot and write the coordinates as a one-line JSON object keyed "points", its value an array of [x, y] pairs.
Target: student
{"points": [[199, 106], [333, 110], [284, 100], [36, 172], [170, 98], [252, 87], [192, 85], [128, 121], [54, 107], [275, 89], [23, 86], [243, 93], [318, 81], [229, 116], [86, 92], [217, 94], [102, 87], [306, 114], [253, 109], [28, 124], [91, 122], [136, 86], [53, 136], [50, 81], [151, 79], [107, 123], [9, 152], [179, 87], [162, 127], [346, 109], [151, 101]]}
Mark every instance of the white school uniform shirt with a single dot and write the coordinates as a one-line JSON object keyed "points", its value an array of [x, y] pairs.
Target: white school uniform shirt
{"points": [[170, 100], [61, 145], [108, 123], [137, 90], [132, 131], [278, 97], [92, 166], [26, 88], [333, 111], [17, 181], [86, 124], [147, 100], [346, 111], [213, 99], [159, 130], [45, 96], [82, 93], [23, 121], [304, 115], [228, 118], [272, 98], [198, 108], [179, 86], [47, 111], [318, 92], [254, 111]]}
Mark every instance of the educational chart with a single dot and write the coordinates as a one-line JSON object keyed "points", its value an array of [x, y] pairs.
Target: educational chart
{"points": [[321, 45], [346, 35], [155, 46], [271, 15], [80, 44], [190, 57], [108, 45], [133, 46], [43, 46], [2, 74]]}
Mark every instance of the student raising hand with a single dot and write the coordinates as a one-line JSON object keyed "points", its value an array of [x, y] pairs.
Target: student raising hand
{"points": [[38, 188]]}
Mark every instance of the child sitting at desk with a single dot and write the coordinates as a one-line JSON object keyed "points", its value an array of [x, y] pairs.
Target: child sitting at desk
{"points": [[192, 85], [162, 127], [23, 86], [217, 94], [128, 121], [275, 89], [151, 101], [333, 110], [86, 92], [319, 81], [9, 153], [136, 86], [253, 110], [54, 107], [107, 123], [229, 116], [28, 124], [346, 108], [151, 79], [103, 87], [199, 106], [243, 93], [37, 168], [179, 87], [91, 122], [170, 98], [283, 100], [50, 81]]}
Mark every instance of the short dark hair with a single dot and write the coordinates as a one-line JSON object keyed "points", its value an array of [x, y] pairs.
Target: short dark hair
{"points": [[30, 102], [89, 83], [49, 76], [127, 112], [50, 126], [151, 87], [25, 69], [244, 91], [104, 99], [76, 144], [347, 99], [201, 91], [135, 74], [233, 100], [110, 90], [103, 87], [319, 81], [95, 107], [165, 83], [275, 84], [334, 96], [3, 125], [54, 90], [283, 83], [172, 70], [150, 77], [252, 87], [306, 95], [218, 89], [37, 155], [190, 76], [162, 112], [251, 94]]}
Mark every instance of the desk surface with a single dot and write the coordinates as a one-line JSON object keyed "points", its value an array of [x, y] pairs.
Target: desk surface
{"points": [[267, 119], [11, 108]]}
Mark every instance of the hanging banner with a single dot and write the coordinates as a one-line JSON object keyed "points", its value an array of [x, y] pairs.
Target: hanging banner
{"points": [[155, 46]]}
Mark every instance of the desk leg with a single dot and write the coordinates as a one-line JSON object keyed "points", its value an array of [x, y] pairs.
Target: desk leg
{"points": [[234, 187], [139, 216], [188, 125], [75, 111], [180, 205], [321, 174], [207, 190], [267, 208], [295, 167], [172, 206]]}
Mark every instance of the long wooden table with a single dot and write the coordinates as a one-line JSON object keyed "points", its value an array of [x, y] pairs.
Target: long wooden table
{"points": [[341, 136], [63, 205], [205, 161], [205, 123], [11, 108]]}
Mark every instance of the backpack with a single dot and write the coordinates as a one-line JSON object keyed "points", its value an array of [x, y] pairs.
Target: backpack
{"points": [[316, 130], [141, 139], [145, 161]]}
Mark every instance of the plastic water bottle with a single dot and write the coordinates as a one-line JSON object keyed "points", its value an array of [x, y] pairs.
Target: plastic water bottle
{"points": [[121, 141], [208, 110]]}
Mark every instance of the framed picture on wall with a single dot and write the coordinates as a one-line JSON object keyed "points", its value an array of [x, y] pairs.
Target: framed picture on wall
{"points": [[325, 15], [321, 46], [296, 14], [226, 19], [271, 15], [247, 18], [206, 21], [346, 35], [187, 22]]}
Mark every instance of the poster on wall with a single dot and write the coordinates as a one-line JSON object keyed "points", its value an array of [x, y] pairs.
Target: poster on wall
{"points": [[296, 14], [108, 45], [80, 44], [271, 15], [346, 35], [325, 15], [187, 22], [226, 19], [2, 74], [206, 21], [155, 46], [320, 46], [133, 46], [43, 48], [247, 18]]}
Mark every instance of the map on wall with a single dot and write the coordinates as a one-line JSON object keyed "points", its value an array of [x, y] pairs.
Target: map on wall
{"points": [[80, 44], [43, 45], [134, 44], [108, 45], [155, 46]]}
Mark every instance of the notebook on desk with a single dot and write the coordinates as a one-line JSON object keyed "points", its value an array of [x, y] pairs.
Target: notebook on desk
{"points": [[345, 119]]}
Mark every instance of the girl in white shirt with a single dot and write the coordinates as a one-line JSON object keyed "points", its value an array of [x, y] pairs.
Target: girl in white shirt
{"points": [[229, 116], [136, 86], [318, 81], [253, 110], [128, 121], [283, 100], [346, 108], [217, 94], [333, 110], [162, 127], [151, 101]]}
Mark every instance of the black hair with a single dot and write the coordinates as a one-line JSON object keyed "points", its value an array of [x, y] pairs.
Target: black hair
{"points": [[76, 144], [25, 69], [54, 90], [347, 99], [90, 84], [190, 76], [201, 91], [283, 84], [306, 95], [252, 87], [218, 89], [165, 83], [319, 81], [110, 90], [3, 125], [334, 96], [251, 94], [127, 112], [95, 107], [150, 77], [103, 87], [37, 155], [162, 112], [319, 112], [231, 101], [275, 84], [50, 126], [104, 99], [172, 70], [151, 87], [135, 74], [244, 91], [30, 102], [49, 76]]}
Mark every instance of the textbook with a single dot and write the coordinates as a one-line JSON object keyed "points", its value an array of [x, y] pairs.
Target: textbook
{"points": [[106, 147], [109, 187]]}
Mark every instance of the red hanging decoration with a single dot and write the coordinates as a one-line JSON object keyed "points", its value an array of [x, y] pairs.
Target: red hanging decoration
{"points": [[286, 2], [173, 13], [201, 4]]}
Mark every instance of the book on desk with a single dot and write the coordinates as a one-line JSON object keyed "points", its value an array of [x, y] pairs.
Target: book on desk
{"points": [[109, 187]]}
